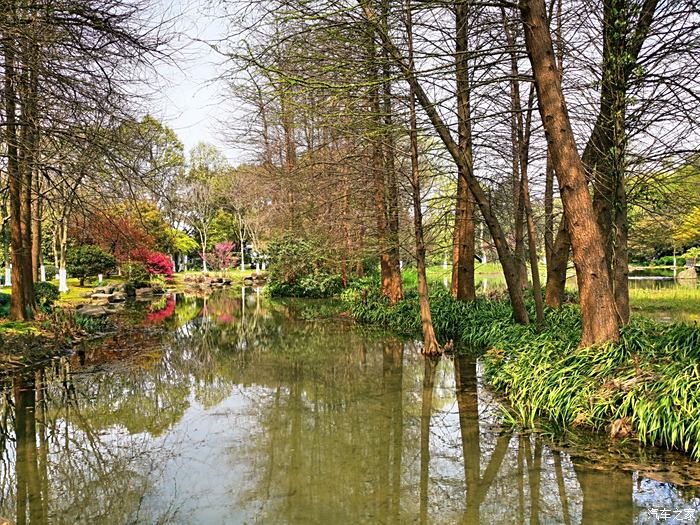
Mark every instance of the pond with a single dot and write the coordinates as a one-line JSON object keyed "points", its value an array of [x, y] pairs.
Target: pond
{"points": [[239, 410]]}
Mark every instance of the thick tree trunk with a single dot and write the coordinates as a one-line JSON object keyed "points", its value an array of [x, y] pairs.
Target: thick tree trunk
{"points": [[599, 319], [608, 174], [395, 290], [617, 68], [462, 286], [22, 305], [390, 271], [463, 238]]}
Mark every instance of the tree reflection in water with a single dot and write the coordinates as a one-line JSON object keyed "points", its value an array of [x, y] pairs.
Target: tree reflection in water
{"points": [[239, 411]]}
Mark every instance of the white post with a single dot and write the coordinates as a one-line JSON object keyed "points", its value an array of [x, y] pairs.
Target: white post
{"points": [[401, 265], [8, 276], [257, 266], [674, 263], [99, 278], [62, 280], [264, 265], [444, 263], [42, 273], [185, 263]]}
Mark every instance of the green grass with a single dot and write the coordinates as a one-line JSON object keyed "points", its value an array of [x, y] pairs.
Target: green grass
{"points": [[651, 379]]}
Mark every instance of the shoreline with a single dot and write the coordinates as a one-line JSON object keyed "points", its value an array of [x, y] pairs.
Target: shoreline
{"points": [[644, 388]]}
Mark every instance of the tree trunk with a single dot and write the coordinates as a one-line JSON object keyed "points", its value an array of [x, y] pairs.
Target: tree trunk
{"points": [[464, 163], [388, 268], [463, 238], [430, 344], [596, 150], [22, 305], [609, 199], [524, 143], [599, 320], [556, 267], [549, 210], [36, 233], [395, 291]]}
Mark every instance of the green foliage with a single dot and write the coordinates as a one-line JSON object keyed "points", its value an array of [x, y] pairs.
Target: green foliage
{"points": [[182, 242], [298, 270], [651, 378], [224, 227], [46, 295], [92, 325], [693, 253], [4, 304], [137, 273], [50, 270], [88, 261]]}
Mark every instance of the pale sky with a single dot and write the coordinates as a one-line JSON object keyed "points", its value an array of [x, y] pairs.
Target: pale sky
{"points": [[188, 99]]}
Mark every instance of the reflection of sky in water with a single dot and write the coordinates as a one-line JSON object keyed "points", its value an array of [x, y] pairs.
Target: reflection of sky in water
{"points": [[279, 421]]}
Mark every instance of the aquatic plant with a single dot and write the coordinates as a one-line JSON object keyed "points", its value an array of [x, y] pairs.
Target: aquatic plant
{"points": [[649, 382]]}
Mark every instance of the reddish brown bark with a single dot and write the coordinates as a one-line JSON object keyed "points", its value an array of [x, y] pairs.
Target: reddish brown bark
{"points": [[463, 250], [557, 264], [22, 304], [430, 344], [599, 320]]}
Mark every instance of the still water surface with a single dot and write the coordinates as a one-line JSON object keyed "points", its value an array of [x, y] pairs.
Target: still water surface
{"points": [[240, 411]]}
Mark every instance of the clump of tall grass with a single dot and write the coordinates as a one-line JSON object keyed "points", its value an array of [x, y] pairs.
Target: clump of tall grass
{"points": [[650, 380]]}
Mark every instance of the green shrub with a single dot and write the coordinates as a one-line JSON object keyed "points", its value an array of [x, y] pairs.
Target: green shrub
{"points": [[667, 260], [137, 274], [89, 261], [4, 305], [46, 294], [299, 268], [51, 271]]}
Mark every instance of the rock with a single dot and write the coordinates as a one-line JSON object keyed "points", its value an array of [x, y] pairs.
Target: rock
{"points": [[92, 310], [248, 281], [106, 289], [114, 307], [688, 273], [142, 292], [102, 296], [120, 288], [118, 297]]}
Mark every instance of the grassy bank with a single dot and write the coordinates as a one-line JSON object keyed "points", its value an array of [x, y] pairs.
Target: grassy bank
{"points": [[646, 386]]}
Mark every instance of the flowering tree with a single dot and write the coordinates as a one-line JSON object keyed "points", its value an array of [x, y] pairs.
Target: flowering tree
{"points": [[222, 258]]}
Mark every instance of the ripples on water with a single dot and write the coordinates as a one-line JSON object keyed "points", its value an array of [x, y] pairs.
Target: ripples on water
{"points": [[241, 412]]}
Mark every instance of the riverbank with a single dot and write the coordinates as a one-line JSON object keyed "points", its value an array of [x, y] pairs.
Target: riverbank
{"points": [[56, 333], [646, 387]]}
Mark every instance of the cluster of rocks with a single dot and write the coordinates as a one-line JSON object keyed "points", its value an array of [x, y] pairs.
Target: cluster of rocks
{"points": [[110, 298], [200, 281], [257, 279]]}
